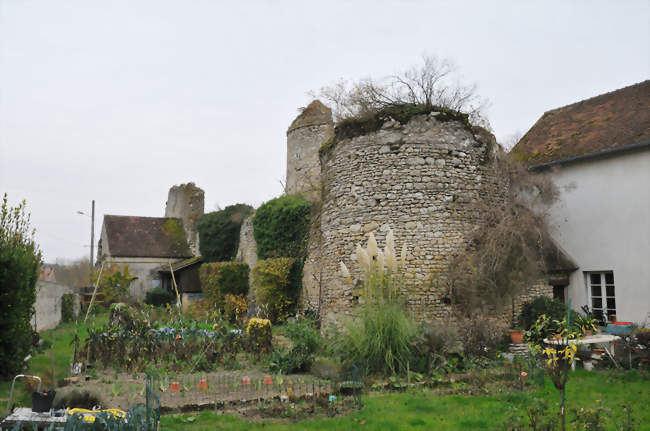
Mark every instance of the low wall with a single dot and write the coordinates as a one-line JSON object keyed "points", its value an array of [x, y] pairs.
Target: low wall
{"points": [[48, 304]]}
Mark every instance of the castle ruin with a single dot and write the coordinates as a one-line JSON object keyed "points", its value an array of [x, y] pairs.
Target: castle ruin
{"points": [[422, 179]]}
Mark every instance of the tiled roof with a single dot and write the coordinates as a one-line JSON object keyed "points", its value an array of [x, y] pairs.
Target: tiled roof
{"points": [[609, 121], [130, 236]]}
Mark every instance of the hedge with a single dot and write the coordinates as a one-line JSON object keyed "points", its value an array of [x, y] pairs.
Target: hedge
{"points": [[221, 278], [67, 308], [281, 227], [159, 297], [219, 232], [20, 258], [277, 282]]}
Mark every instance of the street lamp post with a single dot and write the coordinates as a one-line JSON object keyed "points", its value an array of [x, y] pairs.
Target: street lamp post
{"points": [[92, 235]]}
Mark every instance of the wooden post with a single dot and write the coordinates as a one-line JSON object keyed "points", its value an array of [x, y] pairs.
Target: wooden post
{"points": [[178, 297], [92, 299]]}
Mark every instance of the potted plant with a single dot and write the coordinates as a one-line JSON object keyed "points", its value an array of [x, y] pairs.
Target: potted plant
{"points": [[586, 322], [517, 335]]}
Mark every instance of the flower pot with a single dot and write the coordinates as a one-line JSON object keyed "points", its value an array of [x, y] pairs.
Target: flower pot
{"points": [[42, 401], [517, 336], [589, 365], [588, 332]]}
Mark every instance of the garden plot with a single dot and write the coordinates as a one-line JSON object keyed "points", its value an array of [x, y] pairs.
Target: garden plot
{"points": [[206, 390]]}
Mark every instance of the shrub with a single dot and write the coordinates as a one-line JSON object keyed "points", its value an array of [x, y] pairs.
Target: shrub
{"points": [[260, 335], [81, 399], [531, 310], [281, 226], [20, 258], [219, 232], [67, 308], [159, 297], [114, 283], [276, 286], [436, 342], [235, 307], [222, 278], [482, 336], [305, 341]]}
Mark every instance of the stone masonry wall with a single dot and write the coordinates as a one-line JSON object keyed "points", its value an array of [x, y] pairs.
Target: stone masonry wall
{"points": [[186, 202], [420, 179], [304, 138], [247, 253]]}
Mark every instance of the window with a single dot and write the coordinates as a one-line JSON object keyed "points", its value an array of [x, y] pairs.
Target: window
{"points": [[601, 293]]}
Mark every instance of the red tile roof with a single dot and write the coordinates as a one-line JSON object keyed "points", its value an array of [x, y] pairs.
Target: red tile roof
{"points": [[609, 121], [130, 236]]}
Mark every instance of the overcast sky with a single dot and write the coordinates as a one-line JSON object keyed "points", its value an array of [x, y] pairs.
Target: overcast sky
{"points": [[119, 100]]}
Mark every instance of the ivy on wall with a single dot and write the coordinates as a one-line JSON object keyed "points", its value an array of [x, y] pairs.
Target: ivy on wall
{"points": [[219, 232], [281, 226], [276, 285]]}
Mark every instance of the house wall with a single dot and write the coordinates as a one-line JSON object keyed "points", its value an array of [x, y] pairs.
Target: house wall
{"points": [[47, 308], [602, 220], [145, 268]]}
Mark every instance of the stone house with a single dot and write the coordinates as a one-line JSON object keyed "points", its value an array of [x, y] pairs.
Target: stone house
{"points": [[148, 245], [597, 151]]}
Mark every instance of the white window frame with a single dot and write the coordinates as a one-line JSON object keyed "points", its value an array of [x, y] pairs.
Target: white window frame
{"points": [[606, 311]]}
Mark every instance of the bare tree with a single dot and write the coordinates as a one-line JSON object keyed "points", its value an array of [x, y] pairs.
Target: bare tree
{"points": [[433, 83]]}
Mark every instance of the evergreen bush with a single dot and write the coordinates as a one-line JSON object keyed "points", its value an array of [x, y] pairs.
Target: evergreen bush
{"points": [[219, 232], [67, 308], [20, 259], [222, 278], [552, 308], [281, 227], [159, 297], [276, 284]]}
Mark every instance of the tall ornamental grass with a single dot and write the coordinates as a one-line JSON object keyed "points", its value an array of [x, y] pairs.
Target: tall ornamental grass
{"points": [[381, 339]]}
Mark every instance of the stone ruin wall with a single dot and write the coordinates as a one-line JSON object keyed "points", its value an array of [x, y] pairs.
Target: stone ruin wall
{"points": [[247, 253], [421, 179], [304, 137], [187, 201]]}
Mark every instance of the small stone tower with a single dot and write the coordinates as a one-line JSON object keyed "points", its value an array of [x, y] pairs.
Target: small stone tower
{"points": [[186, 202], [305, 136]]}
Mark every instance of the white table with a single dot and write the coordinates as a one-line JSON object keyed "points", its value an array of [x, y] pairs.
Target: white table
{"points": [[606, 340], [26, 416]]}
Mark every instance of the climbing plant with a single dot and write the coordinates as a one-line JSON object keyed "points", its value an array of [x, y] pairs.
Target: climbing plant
{"points": [[281, 226], [219, 232]]}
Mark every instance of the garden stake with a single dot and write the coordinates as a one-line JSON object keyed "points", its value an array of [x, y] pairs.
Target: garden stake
{"points": [[566, 374]]}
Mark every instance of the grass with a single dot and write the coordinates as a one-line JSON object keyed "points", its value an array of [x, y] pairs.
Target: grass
{"points": [[40, 364], [423, 410]]}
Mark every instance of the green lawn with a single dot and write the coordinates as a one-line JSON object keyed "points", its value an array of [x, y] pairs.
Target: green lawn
{"points": [[40, 364], [422, 410]]}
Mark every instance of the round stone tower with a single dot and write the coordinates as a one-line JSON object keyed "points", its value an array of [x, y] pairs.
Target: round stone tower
{"points": [[421, 179], [186, 202], [305, 136]]}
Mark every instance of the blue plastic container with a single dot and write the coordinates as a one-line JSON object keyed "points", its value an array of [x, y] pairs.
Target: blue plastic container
{"points": [[619, 328]]}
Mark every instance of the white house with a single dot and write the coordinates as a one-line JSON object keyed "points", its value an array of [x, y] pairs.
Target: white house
{"points": [[598, 154]]}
